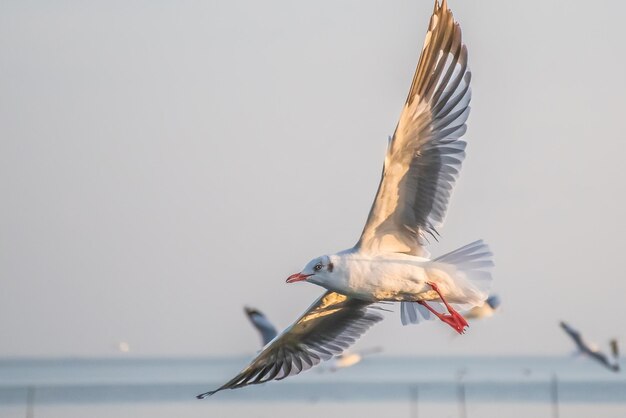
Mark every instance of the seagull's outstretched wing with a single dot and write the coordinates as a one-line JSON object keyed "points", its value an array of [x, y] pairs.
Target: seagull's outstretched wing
{"points": [[576, 337], [425, 154], [262, 324], [330, 325], [601, 358]]}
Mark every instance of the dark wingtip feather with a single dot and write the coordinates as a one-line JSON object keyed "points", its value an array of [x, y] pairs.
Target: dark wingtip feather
{"points": [[205, 394]]}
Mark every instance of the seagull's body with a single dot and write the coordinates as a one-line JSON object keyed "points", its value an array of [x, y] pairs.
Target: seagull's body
{"points": [[393, 277], [390, 262], [345, 360], [381, 277]]}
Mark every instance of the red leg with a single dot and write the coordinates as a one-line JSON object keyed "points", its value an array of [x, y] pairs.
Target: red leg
{"points": [[453, 318]]}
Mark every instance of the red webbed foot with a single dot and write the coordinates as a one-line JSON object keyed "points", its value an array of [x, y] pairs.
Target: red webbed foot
{"points": [[452, 318]]}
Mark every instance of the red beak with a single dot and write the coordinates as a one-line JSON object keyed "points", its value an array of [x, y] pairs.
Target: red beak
{"points": [[298, 277]]}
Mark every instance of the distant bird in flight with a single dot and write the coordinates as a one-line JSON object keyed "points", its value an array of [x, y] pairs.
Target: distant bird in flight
{"points": [[485, 310], [268, 332], [390, 262], [350, 358], [262, 324], [589, 350]]}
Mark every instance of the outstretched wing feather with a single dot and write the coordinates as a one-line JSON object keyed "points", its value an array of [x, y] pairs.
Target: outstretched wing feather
{"points": [[425, 154], [330, 325]]}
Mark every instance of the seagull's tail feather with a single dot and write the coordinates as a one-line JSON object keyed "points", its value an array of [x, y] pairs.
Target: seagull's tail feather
{"points": [[469, 267], [414, 313], [465, 277]]}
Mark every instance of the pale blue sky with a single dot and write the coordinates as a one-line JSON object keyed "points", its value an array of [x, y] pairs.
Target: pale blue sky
{"points": [[164, 163]]}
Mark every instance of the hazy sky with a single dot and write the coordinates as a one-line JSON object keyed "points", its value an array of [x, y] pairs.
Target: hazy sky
{"points": [[164, 163]]}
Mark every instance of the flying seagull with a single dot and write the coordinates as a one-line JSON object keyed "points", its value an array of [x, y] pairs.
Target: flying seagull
{"points": [[589, 350], [390, 262], [485, 310], [350, 358], [262, 324], [268, 332]]}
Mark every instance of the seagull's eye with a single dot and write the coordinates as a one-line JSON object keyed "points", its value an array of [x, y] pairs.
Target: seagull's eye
{"points": [[317, 267]]}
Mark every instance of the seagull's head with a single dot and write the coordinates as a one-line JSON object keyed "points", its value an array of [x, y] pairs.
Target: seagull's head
{"points": [[316, 271]]}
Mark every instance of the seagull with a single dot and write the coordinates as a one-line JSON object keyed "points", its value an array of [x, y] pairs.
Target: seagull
{"points": [[485, 310], [268, 332], [588, 349], [350, 358], [390, 262], [262, 324]]}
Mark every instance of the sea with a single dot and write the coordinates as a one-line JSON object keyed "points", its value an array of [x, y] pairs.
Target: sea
{"points": [[379, 386]]}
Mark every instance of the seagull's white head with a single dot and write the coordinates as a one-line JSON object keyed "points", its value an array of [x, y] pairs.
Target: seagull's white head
{"points": [[317, 271]]}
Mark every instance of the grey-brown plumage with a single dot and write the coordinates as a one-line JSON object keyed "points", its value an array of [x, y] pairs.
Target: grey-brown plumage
{"points": [[425, 154], [330, 325]]}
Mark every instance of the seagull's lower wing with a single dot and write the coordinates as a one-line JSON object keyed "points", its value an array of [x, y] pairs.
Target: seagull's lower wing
{"points": [[601, 357], [330, 325]]}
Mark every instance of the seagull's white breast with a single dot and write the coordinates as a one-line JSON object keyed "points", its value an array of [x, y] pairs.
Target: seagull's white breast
{"points": [[391, 277]]}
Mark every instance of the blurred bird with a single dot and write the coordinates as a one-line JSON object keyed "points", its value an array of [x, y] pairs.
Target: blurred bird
{"points": [[262, 324], [123, 347], [390, 261], [485, 310], [593, 351], [350, 358], [268, 332]]}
